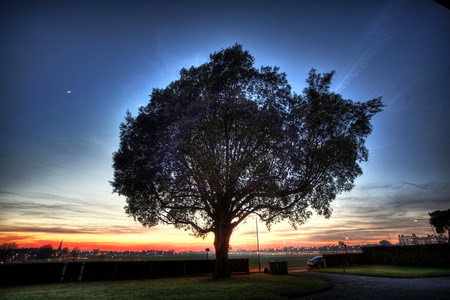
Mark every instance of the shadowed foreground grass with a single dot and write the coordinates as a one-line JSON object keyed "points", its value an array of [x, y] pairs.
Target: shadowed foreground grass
{"points": [[390, 271], [254, 286]]}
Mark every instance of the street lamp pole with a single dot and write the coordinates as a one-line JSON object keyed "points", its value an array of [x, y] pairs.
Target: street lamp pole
{"points": [[257, 244]]}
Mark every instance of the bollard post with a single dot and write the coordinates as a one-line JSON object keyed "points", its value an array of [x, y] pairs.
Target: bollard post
{"points": [[80, 277], [63, 272]]}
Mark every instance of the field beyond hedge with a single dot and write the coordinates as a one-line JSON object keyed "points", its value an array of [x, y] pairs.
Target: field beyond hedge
{"points": [[296, 260]]}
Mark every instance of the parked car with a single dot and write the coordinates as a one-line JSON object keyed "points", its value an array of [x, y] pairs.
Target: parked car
{"points": [[316, 262]]}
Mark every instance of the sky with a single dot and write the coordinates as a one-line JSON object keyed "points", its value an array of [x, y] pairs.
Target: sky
{"points": [[71, 70]]}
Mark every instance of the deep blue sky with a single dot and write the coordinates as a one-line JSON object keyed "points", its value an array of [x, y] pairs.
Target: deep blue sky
{"points": [[55, 155]]}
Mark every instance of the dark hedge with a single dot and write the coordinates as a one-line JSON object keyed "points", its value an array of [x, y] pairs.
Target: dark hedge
{"points": [[53, 272], [433, 255]]}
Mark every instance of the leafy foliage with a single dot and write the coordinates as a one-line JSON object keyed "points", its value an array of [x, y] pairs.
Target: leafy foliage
{"points": [[227, 140], [7, 251], [44, 251], [440, 219]]}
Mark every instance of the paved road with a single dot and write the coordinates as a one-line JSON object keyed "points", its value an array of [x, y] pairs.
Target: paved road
{"points": [[365, 287]]}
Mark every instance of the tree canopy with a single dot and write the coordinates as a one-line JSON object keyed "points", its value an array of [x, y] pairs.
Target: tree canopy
{"points": [[227, 140], [440, 220]]}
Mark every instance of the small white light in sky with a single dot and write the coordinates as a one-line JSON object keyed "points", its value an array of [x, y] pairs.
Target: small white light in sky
{"points": [[69, 92]]}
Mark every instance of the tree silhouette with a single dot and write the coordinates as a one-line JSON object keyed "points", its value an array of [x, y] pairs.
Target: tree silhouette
{"points": [[227, 140], [45, 251], [7, 251], [440, 220]]}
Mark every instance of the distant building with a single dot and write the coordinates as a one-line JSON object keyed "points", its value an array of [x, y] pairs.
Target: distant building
{"points": [[413, 239]]}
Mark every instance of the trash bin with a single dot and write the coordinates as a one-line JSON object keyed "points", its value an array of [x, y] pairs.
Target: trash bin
{"points": [[278, 267]]}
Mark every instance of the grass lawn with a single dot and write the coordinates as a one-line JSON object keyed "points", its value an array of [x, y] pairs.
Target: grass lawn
{"points": [[292, 260], [254, 286], [389, 271]]}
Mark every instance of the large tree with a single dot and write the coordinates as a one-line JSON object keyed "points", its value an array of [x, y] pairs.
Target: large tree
{"points": [[440, 220], [227, 140]]}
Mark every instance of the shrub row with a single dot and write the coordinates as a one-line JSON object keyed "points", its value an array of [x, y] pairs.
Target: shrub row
{"points": [[351, 259], [36, 273], [434, 255]]}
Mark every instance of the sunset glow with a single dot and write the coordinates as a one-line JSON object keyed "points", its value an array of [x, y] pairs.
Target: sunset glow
{"points": [[317, 232]]}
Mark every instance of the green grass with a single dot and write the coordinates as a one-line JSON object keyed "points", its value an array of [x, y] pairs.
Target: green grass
{"points": [[389, 271], [254, 286], [292, 260]]}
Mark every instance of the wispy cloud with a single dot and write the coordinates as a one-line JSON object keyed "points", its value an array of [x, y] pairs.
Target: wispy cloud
{"points": [[419, 186], [370, 213], [370, 42], [69, 230], [51, 212]]}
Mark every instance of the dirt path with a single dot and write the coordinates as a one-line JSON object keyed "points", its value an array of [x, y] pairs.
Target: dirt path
{"points": [[366, 287]]}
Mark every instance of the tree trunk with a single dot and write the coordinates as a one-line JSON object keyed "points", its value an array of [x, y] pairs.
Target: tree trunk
{"points": [[222, 243]]}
